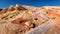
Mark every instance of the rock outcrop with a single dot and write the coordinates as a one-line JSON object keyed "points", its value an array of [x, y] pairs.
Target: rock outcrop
{"points": [[21, 19]]}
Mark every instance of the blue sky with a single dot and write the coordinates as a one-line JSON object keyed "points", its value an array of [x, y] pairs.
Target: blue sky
{"points": [[38, 3]]}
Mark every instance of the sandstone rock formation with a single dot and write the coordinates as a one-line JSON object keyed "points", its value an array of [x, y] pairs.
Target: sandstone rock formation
{"points": [[21, 19]]}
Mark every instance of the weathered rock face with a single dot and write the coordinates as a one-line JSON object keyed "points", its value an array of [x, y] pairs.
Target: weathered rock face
{"points": [[21, 19]]}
